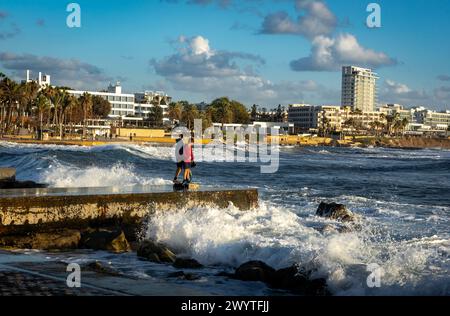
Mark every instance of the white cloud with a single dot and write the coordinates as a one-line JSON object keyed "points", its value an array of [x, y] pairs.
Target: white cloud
{"points": [[197, 68], [65, 72], [315, 18], [330, 54]]}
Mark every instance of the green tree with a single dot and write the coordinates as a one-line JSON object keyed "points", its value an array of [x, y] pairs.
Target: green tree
{"points": [[279, 114], [175, 111], [11, 94], [222, 111], [30, 92], [254, 112], [189, 114], [42, 105], [156, 115], [100, 107], [240, 113], [85, 102]]}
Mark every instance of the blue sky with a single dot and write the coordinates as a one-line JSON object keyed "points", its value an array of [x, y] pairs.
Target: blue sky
{"points": [[256, 51]]}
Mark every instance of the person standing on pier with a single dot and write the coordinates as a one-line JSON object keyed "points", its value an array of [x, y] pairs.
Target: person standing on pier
{"points": [[188, 160], [179, 157]]}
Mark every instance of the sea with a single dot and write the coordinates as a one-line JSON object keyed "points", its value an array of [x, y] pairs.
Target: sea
{"points": [[401, 197]]}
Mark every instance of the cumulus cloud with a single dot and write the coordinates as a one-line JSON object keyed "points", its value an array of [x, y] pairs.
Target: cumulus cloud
{"points": [[315, 18], [401, 93], [198, 68], [330, 54], [195, 58], [64, 72]]}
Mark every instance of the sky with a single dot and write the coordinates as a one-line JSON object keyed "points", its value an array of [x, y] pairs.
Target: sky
{"points": [[265, 52]]}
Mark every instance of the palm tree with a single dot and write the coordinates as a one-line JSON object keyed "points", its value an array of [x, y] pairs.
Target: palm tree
{"points": [[67, 100], [175, 111], [222, 111], [11, 93], [30, 92], [86, 104], [42, 105], [405, 123], [190, 113], [391, 121]]}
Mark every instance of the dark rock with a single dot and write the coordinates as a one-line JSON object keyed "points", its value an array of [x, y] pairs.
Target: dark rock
{"points": [[184, 276], [299, 282], [335, 211], [101, 268], [255, 271], [181, 263], [155, 252], [103, 239], [61, 240], [21, 185]]}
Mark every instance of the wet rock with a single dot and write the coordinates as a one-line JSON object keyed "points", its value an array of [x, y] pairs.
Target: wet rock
{"points": [[184, 276], [60, 240], [103, 239], [181, 263], [155, 252], [102, 268], [335, 211], [299, 282], [21, 185], [255, 271]]}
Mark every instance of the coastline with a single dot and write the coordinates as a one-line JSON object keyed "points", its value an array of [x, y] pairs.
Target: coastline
{"points": [[358, 142]]}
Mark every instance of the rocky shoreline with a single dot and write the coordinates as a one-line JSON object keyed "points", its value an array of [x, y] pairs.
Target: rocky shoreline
{"points": [[295, 279]]}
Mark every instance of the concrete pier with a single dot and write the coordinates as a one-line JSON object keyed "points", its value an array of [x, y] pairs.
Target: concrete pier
{"points": [[27, 210]]}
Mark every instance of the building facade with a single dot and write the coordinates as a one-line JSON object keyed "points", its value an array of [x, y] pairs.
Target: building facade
{"points": [[359, 88], [43, 80], [331, 117], [304, 116], [122, 104]]}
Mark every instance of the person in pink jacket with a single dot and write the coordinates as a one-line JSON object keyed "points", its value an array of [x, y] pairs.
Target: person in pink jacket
{"points": [[188, 153]]}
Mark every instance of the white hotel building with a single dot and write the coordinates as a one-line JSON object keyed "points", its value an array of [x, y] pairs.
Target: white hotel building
{"points": [[124, 106], [359, 88], [131, 107]]}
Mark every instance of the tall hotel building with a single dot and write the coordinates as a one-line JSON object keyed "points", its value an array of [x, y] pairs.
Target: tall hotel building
{"points": [[359, 88]]}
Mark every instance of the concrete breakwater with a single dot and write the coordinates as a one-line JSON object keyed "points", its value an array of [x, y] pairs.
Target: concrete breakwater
{"points": [[30, 211]]}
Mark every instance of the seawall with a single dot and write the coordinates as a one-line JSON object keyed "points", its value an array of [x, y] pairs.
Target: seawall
{"points": [[37, 210]]}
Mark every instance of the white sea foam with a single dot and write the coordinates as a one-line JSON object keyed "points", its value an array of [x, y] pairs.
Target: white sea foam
{"points": [[58, 175], [280, 238]]}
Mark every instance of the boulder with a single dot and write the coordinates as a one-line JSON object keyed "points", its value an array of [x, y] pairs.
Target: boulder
{"points": [[255, 271], [181, 263], [184, 276], [102, 268], [21, 185], [299, 282], [56, 240], [335, 211], [155, 252], [103, 239]]}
